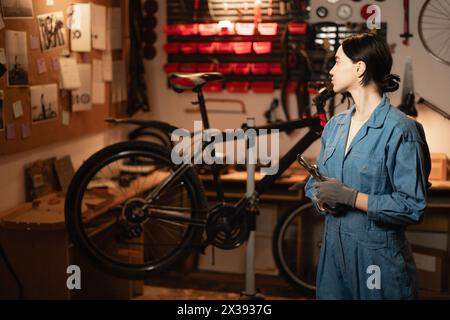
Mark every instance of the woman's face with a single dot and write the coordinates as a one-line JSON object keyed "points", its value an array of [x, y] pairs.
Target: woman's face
{"points": [[344, 74]]}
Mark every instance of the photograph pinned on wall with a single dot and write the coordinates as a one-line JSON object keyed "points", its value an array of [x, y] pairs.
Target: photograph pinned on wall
{"points": [[17, 9], [44, 103], [2, 115], [51, 30], [17, 58]]}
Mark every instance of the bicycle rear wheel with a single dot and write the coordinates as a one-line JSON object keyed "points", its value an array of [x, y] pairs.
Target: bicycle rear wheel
{"points": [[124, 221], [296, 246]]}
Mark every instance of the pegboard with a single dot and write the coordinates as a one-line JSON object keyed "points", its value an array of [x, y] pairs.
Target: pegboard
{"points": [[81, 123], [185, 12]]}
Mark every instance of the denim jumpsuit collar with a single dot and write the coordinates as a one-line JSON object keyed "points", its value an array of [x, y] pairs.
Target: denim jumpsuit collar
{"points": [[376, 120]]}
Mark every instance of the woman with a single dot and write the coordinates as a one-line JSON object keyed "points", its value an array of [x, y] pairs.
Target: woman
{"points": [[376, 181]]}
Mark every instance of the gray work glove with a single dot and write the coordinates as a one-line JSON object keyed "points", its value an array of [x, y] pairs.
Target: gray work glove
{"points": [[332, 192]]}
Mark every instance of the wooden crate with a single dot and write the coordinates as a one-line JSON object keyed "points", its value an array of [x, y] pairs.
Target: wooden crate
{"points": [[432, 268], [440, 167]]}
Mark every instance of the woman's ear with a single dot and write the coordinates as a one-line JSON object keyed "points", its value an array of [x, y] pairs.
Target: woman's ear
{"points": [[360, 68]]}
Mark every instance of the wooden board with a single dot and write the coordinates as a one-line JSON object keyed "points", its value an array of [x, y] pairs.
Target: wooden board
{"points": [[83, 123]]}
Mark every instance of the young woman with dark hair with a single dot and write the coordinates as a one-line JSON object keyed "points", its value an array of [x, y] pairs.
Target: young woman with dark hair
{"points": [[373, 158]]}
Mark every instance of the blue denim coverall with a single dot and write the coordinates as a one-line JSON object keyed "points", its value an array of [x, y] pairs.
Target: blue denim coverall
{"points": [[386, 161]]}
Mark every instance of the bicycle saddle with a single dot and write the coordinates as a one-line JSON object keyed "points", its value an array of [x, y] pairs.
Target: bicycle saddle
{"points": [[192, 81]]}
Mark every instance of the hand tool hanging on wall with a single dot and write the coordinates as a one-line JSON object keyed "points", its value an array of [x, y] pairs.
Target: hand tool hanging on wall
{"points": [[283, 4], [196, 8], [285, 70], [304, 68], [408, 105], [270, 9], [257, 12], [406, 34], [137, 91]]}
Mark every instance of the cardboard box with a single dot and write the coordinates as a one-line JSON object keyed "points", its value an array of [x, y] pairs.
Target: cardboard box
{"points": [[432, 268], [440, 166]]}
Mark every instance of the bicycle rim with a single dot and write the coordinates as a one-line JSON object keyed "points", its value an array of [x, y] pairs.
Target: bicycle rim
{"points": [[109, 192], [298, 243]]}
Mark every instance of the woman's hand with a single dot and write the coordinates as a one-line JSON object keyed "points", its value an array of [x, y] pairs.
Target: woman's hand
{"points": [[332, 192], [325, 209]]}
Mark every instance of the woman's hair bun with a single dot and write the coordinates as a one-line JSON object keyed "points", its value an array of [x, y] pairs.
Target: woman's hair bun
{"points": [[390, 83]]}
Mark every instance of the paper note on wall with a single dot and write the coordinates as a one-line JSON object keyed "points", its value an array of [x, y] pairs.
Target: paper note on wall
{"points": [[80, 28], [98, 84], [114, 29], [98, 27], [69, 74], [119, 85], [82, 98], [107, 63]]}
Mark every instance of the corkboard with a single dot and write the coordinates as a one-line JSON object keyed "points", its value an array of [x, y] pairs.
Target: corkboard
{"points": [[81, 123]]}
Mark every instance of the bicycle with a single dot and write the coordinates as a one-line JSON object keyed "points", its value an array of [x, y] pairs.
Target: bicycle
{"points": [[134, 213]]}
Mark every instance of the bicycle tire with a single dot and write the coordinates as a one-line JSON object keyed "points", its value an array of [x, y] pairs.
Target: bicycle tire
{"points": [[422, 21], [74, 217], [155, 135], [303, 286]]}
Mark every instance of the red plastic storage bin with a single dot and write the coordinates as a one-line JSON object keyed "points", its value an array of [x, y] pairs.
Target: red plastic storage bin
{"points": [[215, 86], [263, 86], [259, 68], [172, 47], [225, 47], [275, 68], [225, 68], [291, 86], [188, 29], [237, 86], [172, 30], [206, 47], [206, 67], [245, 29], [297, 27], [262, 47], [227, 29], [207, 29], [242, 47], [171, 67], [313, 90], [268, 29], [188, 68], [189, 48], [241, 68]]}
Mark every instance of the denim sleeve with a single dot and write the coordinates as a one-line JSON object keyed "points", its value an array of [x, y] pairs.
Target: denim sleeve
{"points": [[407, 203]]}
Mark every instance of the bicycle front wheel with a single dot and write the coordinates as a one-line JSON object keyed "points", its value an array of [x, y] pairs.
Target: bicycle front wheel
{"points": [[296, 247], [130, 214]]}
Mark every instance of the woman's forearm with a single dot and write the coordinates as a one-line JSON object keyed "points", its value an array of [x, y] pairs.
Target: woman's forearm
{"points": [[362, 202]]}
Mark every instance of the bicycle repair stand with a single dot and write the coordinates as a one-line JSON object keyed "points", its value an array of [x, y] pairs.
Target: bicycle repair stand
{"points": [[251, 293]]}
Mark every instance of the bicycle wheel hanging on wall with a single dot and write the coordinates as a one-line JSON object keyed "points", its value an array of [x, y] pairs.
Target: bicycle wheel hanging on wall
{"points": [[434, 29]]}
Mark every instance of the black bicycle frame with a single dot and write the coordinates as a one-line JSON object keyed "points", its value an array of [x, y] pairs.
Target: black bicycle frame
{"points": [[316, 125], [316, 128]]}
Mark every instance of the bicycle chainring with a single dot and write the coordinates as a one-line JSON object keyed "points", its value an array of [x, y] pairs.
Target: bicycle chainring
{"points": [[224, 231]]}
